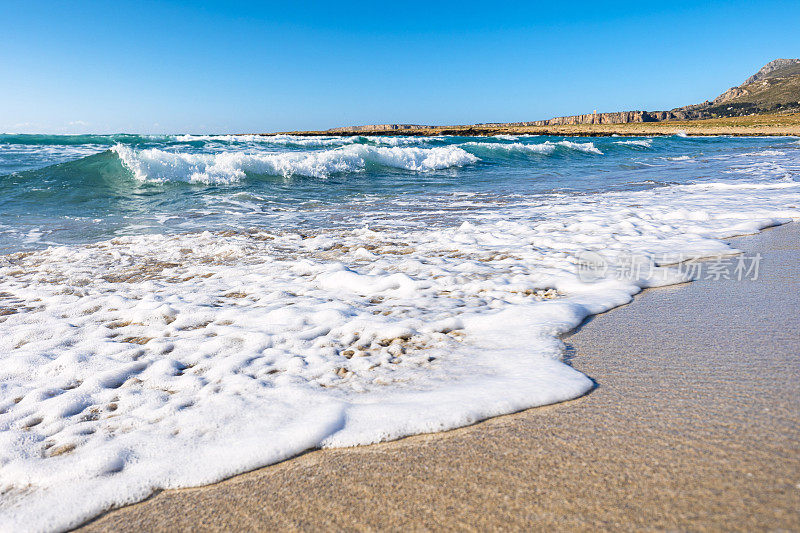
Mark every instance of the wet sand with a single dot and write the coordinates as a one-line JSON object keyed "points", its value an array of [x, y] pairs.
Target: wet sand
{"points": [[694, 425]]}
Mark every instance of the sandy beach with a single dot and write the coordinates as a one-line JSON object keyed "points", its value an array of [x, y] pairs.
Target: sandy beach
{"points": [[694, 425]]}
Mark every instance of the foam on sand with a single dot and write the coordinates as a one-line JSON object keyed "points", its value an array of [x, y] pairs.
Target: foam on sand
{"points": [[161, 361]]}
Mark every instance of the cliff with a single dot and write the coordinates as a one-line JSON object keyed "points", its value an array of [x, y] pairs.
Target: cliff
{"points": [[775, 88], [620, 117]]}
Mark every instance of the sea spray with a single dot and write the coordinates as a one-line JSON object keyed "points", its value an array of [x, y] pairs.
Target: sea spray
{"points": [[232, 166]]}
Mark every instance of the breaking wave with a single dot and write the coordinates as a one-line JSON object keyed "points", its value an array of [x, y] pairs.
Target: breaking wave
{"points": [[157, 165], [307, 140], [643, 143], [545, 148]]}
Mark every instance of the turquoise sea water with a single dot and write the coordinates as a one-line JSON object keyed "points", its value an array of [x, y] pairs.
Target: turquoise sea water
{"points": [[61, 189]]}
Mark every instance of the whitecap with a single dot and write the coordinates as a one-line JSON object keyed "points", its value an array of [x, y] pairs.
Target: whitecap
{"points": [[547, 147], [157, 165], [644, 143], [588, 147]]}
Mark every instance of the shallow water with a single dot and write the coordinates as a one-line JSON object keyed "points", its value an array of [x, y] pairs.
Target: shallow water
{"points": [[177, 309], [79, 189]]}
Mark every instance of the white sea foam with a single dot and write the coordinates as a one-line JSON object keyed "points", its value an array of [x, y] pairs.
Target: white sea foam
{"points": [[764, 153], [547, 147], [732, 185], [225, 138], [310, 141], [307, 140], [402, 141], [167, 361], [773, 168], [229, 167], [542, 148], [298, 140], [644, 143], [589, 148]]}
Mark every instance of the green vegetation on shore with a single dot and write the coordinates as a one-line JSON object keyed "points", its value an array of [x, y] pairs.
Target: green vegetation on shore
{"points": [[753, 125]]}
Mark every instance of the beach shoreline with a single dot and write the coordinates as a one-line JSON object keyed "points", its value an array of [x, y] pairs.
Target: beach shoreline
{"points": [[693, 424], [747, 126]]}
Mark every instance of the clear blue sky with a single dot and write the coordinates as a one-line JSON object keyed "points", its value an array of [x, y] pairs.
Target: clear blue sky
{"points": [[248, 66]]}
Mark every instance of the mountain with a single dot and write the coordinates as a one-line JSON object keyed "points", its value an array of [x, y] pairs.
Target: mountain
{"points": [[773, 89]]}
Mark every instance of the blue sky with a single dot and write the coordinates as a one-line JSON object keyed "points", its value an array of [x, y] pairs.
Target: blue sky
{"points": [[240, 66]]}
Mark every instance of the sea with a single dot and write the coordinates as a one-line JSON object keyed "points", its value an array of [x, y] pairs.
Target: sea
{"points": [[177, 309]]}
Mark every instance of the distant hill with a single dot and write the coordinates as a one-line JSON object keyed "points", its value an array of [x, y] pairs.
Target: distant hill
{"points": [[773, 89]]}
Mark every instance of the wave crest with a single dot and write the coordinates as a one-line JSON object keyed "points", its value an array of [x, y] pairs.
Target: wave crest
{"points": [[307, 140], [644, 143], [545, 148], [156, 165], [589, 147]]}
